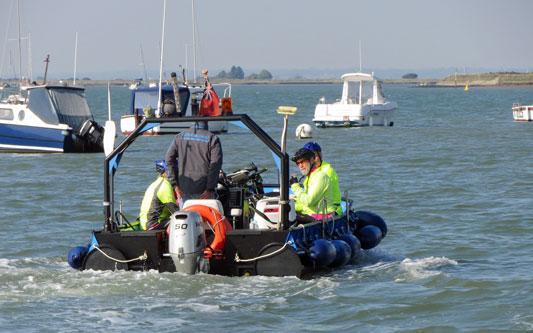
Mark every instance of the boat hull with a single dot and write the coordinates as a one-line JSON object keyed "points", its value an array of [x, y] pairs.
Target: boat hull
{"points": [[246, 252], [523, 113], [34, 139], [353, 115], [247, 243]]}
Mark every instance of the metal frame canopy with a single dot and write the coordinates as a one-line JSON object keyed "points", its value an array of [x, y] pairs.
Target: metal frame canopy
{"points": [[113, 159]]}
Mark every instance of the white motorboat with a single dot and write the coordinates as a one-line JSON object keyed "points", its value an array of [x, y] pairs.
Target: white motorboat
{"points": [[522, 112], [362, 104], [48, 118], [137, 85]]}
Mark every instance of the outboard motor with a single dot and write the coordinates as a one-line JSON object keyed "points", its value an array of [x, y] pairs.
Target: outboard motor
{"points": [[91, 133], [187, 242]]}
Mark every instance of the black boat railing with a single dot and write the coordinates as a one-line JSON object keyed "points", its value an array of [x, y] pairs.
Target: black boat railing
{"points": [[113, 159]]}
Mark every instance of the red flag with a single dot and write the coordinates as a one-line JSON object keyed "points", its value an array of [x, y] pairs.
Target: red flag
{"points": [[209, 104]]}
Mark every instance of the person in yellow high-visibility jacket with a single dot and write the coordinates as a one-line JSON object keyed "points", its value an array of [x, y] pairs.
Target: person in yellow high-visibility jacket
{"points": [[159, 201], [328, 169], [316, 199]]}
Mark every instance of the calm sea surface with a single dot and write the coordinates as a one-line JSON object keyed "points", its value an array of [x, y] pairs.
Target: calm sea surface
{"points": [[453, 178]]}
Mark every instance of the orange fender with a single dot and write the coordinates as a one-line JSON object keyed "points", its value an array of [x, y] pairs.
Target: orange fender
{"points": [[219, 224]]}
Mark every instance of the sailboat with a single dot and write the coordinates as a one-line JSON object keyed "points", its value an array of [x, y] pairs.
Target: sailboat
{"points": [[47, 118], [170, 100], [139, 83]]}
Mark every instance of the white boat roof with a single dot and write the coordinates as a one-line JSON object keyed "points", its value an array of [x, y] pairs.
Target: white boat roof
{"points": [[358, 77]]}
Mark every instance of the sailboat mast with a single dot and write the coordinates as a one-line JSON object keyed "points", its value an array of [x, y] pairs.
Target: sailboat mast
{"points": [[30, 70], [161, 58], [75, 57], [144, 65], [194, 41], [186, 64], [20, 44]]}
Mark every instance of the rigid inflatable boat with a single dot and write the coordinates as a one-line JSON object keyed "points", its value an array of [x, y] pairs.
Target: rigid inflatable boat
{"points": [[250, 230]]}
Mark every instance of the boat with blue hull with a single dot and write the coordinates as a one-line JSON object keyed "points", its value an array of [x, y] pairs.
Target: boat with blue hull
{"points": [[250, 229], [48, 119], [145, 102]]}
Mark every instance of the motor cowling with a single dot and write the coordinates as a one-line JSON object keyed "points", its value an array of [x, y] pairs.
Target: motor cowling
{"points": [[187, 242], [91, 133]]}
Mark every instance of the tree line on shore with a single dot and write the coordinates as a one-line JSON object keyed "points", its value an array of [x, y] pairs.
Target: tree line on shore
{"points": [[236, 72]]}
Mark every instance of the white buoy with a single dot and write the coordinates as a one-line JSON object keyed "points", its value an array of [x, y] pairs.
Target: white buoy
{"points": [[304, 131]]}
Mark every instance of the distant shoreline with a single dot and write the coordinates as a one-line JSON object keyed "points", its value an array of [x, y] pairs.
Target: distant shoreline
{"points": [[473, 80]]}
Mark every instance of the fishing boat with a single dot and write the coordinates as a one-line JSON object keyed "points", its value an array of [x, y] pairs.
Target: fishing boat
{"points": [[48, 118], [145, 101], [522, 112], [250, 230], [362, 104]]}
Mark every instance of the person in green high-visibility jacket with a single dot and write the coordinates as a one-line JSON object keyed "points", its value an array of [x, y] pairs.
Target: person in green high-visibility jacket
{"points": [[159, 201], [328, 169], [316, 199]]}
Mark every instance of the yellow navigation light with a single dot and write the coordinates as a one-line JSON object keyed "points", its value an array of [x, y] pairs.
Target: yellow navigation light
{"points": [[287, 109]]}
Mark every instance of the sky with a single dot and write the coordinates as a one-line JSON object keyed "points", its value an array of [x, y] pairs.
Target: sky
{"points": [[287, 37]]}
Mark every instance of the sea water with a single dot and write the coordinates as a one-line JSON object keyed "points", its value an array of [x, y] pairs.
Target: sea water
{"points": [[453, 179]]}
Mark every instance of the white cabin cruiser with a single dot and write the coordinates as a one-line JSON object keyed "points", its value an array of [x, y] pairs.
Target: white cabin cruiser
{"points": [[362, 104], [522, 112], [48, 119]]}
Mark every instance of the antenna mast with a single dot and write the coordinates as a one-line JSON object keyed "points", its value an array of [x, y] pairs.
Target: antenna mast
{"points": [[360, 59]]}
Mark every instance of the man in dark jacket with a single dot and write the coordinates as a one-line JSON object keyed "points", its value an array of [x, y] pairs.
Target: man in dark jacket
{"points": [[198, 153]]}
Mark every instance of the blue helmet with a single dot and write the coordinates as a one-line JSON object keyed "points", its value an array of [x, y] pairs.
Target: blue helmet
{"points": [[160, 166], [311, 145]]}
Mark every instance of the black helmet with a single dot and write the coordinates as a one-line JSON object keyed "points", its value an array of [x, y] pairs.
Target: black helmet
{"points": [[303, 153]]}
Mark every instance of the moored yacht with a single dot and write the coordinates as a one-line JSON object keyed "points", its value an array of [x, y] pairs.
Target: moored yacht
{"points": [[145, 101], [362, 104], [48, 118], [522, 112]]}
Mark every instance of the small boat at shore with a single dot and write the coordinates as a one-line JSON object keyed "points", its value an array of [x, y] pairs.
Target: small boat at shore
{"points": [[48, 119], [249, 230], [522, 112], [362, 104]]}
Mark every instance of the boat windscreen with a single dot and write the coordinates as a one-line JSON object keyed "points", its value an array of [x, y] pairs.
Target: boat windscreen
{"points": [[145, 98], [141, 99], [71, 106], [353, 90], [40, 104]]}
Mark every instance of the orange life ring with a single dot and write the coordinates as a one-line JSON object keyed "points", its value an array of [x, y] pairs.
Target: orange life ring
{"points": [[220, 226]]}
